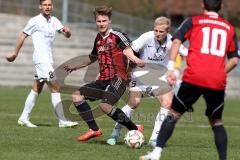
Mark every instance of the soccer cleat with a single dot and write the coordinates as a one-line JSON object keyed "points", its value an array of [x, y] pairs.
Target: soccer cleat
{"points": [[140, 127], [26, 123], [152, 142], [67, 124], [89, 134], [112, 141], [148, 156]]}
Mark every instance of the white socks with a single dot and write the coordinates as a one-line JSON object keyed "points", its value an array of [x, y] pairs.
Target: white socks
{"points": [[29, 104], [156, 153], [162, 114], [58, 107], [128, 111]]}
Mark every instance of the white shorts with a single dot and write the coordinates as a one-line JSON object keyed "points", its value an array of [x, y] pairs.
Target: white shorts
{"points": [[141, 85], [44, 72]]}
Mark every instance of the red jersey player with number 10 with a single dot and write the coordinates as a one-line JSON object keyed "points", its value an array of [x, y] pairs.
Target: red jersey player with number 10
{"points": [[211, 40]]}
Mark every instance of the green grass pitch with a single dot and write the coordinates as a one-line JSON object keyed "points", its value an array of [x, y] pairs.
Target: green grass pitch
{"points": [[192, 139]]}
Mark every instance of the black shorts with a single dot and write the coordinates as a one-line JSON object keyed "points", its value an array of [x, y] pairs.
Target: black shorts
{"points": [[188, 94], [109, 91]]}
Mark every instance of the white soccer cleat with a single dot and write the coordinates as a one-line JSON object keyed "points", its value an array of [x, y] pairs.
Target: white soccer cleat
{"points": [[67, 124], [112, 141], [26, 123], [148, 156]]}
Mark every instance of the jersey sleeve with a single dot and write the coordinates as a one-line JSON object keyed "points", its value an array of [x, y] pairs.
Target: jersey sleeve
{"points": [[58, 25], [123, 41], [30, 28], [139, 43], [184, 30], [93, 54], [233, 48]]}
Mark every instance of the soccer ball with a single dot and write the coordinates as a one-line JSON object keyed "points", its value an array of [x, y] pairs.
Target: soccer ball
{"points": [[134, 139]]}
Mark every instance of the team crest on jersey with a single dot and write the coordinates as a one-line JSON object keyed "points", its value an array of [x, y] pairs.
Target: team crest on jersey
{"points": [[109, 41], [100, 49]]}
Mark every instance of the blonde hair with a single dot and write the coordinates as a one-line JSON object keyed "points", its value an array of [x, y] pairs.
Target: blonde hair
{"points": [[163, 21]]}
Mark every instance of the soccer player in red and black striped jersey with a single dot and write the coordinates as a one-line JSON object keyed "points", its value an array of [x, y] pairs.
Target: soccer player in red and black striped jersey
{"points": [[113, 78], [212, 39]]}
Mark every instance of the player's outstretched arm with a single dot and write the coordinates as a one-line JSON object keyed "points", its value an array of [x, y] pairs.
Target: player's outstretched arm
{"points": [[130, 55], [73, 67], [66, 31], [12, 56]]}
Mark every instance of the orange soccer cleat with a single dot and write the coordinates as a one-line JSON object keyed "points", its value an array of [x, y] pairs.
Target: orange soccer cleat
{"points": [[89, 134], [140, 127]]}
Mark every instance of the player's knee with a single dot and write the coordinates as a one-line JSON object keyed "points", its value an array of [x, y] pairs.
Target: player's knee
{"points": [[214, 122], [37, 87], [38, 91], [53, 86], [166, 103], [76, 97], [55, 89], [134, 102], [106, 108]]}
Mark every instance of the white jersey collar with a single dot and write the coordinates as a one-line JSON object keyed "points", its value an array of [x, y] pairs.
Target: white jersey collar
{"points": [[212, 14], [107, 33]]}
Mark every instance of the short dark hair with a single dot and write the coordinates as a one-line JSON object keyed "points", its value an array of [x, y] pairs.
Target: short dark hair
{"points": [[212, 5], [40, 1], [103, 10]]}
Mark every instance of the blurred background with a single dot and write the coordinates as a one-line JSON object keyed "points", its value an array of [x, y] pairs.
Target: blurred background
{"points": [[132, 17]]}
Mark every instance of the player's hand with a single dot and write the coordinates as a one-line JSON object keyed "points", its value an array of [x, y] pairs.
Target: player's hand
{"points": [[171, 77], [11, 57], [69, 68], [66, 29], [140, 63]]}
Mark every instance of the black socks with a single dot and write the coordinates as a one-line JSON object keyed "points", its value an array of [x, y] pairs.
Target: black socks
{"points": [[166, 130], [86, 114], [119, 116], [220, 137]]}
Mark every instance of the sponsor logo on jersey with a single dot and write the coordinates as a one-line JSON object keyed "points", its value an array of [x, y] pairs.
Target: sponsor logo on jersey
{"points": [[149, 46]]}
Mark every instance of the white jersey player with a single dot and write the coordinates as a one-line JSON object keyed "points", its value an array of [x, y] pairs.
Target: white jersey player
{"points": [[152, 51], [42, 28], [153, 47]]}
